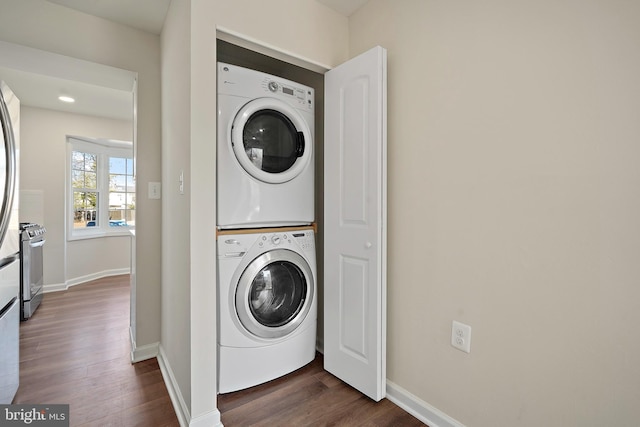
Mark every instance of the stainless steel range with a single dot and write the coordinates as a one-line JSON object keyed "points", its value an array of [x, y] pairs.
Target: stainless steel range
{"points": [[31, 277]]}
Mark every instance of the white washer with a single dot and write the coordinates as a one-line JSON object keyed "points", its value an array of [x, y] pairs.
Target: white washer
{"points": [[267, 306], [265, 150]]}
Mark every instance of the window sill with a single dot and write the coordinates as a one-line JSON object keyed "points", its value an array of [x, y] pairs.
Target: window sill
{"points": [[97, 234]]}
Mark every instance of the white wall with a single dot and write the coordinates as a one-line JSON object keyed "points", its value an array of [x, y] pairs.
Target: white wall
{"points": [[514, 139], [305, 28], [176, 286], [43, 155], [50, 27]]}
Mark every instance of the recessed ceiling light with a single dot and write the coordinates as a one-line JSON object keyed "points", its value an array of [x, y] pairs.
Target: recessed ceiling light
{"points": [[64, 98]]}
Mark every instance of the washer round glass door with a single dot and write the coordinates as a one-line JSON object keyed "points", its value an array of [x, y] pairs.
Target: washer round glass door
{"points": [[271, 140], [274, 294]]}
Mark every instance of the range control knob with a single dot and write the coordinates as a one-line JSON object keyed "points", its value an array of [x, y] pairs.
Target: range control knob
{"points": [[273, 86], [275, 240]]}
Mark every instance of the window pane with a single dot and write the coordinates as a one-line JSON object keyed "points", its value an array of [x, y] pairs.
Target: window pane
{"points": [[77, 160], [121, 192], [91, 180], [84, 170], [131, 185], [117, 165], [91, 162], [77, 179], [131, 212], [117, 200], [117, 183], [85, 209]]}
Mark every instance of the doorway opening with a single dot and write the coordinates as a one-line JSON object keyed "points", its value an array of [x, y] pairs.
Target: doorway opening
{"points": [[243, 57]]}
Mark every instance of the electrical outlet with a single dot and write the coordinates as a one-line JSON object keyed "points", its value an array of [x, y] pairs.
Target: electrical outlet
{"points": [[461, 336]]}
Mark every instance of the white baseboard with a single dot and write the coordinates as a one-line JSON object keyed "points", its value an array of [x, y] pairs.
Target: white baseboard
{"points": [[146, 352], [210, 419], [179, 405], [420, 409], [57, 287]]}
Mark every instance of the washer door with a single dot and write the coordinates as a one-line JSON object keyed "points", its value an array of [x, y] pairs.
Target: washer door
{"points": [[271, 140], [274, 294]]}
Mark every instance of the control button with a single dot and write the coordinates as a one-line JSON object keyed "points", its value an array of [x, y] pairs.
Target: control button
{"points": [[275, 240], [273, 86]]}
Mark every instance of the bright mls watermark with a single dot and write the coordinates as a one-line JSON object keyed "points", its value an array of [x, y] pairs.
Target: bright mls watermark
{"points": [[34, 415]]}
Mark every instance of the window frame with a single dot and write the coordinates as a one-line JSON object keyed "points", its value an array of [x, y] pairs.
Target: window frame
{"points": [[103, 149]]}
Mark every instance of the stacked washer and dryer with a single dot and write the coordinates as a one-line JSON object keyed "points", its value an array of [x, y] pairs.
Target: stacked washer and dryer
{"points": [[267, 308]]}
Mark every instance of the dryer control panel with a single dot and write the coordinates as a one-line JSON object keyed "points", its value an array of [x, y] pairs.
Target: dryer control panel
{"points": [[294, 94], [239, 81]]}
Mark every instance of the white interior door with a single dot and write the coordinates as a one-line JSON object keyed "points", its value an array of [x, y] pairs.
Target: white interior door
{"points": [[355, 222]]}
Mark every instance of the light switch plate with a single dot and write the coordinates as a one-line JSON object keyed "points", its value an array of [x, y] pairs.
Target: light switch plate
{"points": [[154, 190]]}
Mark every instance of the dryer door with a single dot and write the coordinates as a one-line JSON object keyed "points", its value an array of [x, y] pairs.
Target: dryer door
{"points": [[271, 140], [274, 294]]}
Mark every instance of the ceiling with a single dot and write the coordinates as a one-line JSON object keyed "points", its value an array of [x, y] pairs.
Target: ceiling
{"points": [[149, 15], [344, 7], [42, 91], [146, 15], [38, 78], [103, 96]]}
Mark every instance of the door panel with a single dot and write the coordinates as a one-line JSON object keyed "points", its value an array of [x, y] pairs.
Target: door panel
{"points": [[354, 154], [353, 310], [355, 222]]}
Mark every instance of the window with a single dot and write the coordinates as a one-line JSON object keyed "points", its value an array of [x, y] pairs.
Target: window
{"points": [[101, 188]]}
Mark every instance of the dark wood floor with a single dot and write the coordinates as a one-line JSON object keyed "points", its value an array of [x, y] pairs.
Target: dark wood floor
{"points": [[309, 397], [75, 350]]}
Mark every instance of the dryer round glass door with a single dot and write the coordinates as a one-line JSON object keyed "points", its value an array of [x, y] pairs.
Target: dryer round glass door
{"points": [[274, 294], [271, 140]]}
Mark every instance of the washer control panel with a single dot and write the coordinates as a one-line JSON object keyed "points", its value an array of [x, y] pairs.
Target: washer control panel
{"points": [[304, 239]]}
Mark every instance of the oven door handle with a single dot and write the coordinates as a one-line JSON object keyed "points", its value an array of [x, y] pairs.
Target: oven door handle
{"points": [[37, 244], [8, 260]]}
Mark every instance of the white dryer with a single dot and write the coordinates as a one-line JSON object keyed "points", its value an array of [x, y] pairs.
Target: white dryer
{"points": [[265, 150], [267, 306]]}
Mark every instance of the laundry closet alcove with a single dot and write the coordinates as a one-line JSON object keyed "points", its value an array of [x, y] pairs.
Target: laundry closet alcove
{"points": [[350, 205]]}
